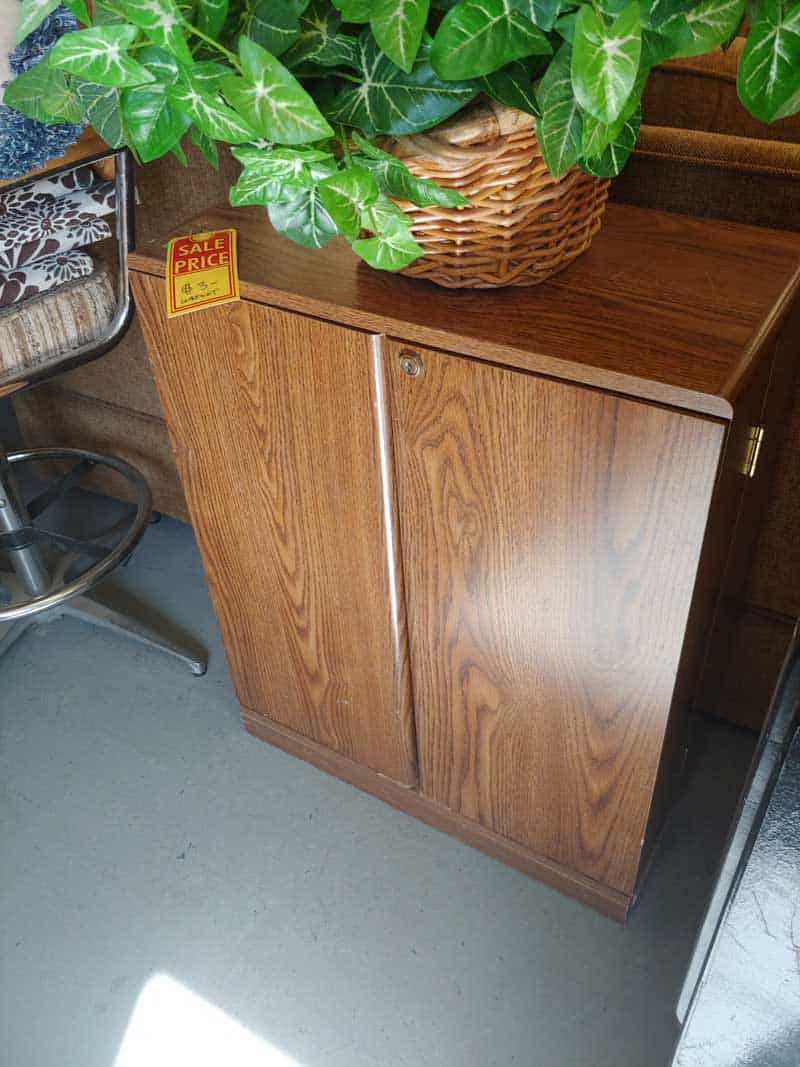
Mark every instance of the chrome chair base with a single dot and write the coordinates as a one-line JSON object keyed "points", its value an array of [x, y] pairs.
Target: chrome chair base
{"points": [[39, 587], [88, 609]]}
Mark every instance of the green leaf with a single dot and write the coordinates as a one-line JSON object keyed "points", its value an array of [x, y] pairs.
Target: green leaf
{"points": [[657, 14], [512, 85], [153, 121], [304, 220], [704, 27], [272, 100], [319, 41], [105, 15], [545, 13], [162, 22], [558, 130], [274, 25], [565, 25], [398, 26], [395, 179], [384, 214], [354, 10], [162, 65], [657, 48], [391, 249], [98, 55], [180, 155], [103, 110], [769, 69], [211, 116], [44, 95], [605, 61], [388, 100], [480, 36], [597, 136], [279, 175], [615, 154], [32, 14], [206, 146], [79, 10], [209, 75], [346, 195], [210, 16]]}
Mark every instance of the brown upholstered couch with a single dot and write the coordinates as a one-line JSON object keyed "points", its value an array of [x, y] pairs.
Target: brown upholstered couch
{"points": [[699, 153]]}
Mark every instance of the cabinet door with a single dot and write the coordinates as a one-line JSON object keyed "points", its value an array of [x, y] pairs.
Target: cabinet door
{"points": [[280, 431], [551, 535]]}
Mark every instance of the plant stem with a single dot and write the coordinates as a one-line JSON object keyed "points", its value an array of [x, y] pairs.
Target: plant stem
{"points": [[231, 56], [345, 146]]}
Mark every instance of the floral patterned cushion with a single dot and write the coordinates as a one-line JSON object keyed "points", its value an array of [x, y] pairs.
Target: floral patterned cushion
{"points": [[43, 274], [43, 224]]}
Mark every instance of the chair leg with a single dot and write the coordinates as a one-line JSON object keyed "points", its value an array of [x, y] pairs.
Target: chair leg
{"points": [[87, 609], [10, 632]]}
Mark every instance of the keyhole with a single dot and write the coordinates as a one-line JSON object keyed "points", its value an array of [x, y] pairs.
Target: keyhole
{"points": [[410, 363]]}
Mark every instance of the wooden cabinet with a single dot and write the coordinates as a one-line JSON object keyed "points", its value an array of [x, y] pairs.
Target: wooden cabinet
{"points": [[465, 549], [547, 595], [281, 440]]}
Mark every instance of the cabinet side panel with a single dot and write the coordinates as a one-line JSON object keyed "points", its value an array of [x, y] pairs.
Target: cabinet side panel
{"points": [[274, 421], [551, 536]]}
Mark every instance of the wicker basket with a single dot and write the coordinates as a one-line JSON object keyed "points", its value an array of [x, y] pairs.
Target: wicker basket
{"points": [[522, 225]]}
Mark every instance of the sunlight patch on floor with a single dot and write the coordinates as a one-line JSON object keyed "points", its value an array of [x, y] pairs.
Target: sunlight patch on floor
{"points": [[173, 1027]]}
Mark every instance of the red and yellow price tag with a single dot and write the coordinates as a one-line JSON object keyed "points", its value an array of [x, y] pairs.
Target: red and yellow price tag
{"points": [[201, 271]]}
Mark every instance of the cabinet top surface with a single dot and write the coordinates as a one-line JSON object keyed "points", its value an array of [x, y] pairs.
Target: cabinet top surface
{"points": [[665, 307]]}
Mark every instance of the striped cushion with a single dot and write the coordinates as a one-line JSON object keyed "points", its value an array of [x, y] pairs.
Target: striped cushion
{"points": [[48, 328]]}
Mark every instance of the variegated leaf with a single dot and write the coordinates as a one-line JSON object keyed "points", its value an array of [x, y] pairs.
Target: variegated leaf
{"points": [[479, 36], [346, 195], [31, 15], [99, 55], [304, 219], [392, 248], [271, 99], [615, 154], [605, 60], [274, 25], [769, 69], [210, 15], [320, 41], [44, 95], [211, 116], [102, 108], [558, 128], [162, 22], [390, 101], [397, 26], [705, 26], [278, 175]]}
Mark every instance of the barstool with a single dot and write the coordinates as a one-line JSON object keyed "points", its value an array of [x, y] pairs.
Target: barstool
{"points": [[47, 572]]}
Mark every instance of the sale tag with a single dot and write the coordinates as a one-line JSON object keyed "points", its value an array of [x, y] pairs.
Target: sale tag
{"points": [[201, 271]]}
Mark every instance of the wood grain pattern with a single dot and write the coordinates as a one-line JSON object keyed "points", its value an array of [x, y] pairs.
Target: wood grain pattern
{"points": [[765, 402], [551, 536], [283, 460], [662, 307], [607, 901]]}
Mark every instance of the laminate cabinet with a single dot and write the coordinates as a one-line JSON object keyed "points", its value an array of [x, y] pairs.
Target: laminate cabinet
{"points": [[547, 594], [466, 549], [281, 443]]}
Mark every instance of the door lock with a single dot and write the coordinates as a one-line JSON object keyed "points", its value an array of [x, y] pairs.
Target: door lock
{"points": [[411, 364]]}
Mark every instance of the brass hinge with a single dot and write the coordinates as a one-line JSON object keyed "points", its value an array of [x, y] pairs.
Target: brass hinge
{"points": [[755, 439]]}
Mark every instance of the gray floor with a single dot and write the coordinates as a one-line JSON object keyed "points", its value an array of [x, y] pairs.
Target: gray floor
{"points": [[169, 882]]}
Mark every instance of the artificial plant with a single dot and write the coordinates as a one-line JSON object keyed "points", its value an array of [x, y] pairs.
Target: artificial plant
{"points": [[302, 88]]}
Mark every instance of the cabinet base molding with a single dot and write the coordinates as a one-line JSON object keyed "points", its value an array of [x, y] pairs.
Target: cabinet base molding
{"points": [[607, 901]]}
